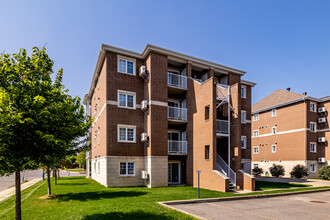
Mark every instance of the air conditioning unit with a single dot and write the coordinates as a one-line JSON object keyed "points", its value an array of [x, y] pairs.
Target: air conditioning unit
{"points": [[321, 160], [144, 174], [142, 71], [322, 109], [322, 120], [144, 105], [144, 137], [322, 139]]}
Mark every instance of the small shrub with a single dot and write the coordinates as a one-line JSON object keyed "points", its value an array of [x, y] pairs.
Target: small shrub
{"points": [[257, 171], [277, 170], [324, 173], [299, 171]]}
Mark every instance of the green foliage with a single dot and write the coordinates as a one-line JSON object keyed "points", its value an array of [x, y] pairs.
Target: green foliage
{"points": [[277, 170], [81, 160], [324, 173], [299, 171], [264, 185], [257, 171], [72, 159]]}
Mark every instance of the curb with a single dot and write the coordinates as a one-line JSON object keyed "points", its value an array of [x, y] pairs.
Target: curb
{"points": [[223, 199]]}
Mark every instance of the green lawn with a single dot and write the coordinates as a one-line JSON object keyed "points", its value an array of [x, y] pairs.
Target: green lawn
{"points": [[82, 198], [264, 185]]}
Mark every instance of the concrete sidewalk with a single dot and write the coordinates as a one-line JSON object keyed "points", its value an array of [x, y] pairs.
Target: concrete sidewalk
{"points": [[11, 191]]}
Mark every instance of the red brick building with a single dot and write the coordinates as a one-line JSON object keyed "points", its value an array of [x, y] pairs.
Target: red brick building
{"points": [[290, 129], [159, 116]]}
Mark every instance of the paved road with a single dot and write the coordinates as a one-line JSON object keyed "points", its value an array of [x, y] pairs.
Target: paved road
{"points": [[7, 182], [315, 183], [303, 206]]}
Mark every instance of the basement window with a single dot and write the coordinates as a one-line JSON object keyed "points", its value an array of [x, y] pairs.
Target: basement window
{"points": [[207, 113], [207, 152]]}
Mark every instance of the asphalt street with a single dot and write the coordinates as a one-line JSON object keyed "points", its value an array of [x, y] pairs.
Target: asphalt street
{"points": [[9, 181], [303, 206]]}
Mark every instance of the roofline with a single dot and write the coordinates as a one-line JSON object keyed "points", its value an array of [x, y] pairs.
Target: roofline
{"points": [[249, 83], [289, 103], [148, 48]]}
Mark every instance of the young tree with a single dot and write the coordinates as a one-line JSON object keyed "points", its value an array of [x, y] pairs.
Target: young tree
{"points": [[81, 160], [38, 120]]}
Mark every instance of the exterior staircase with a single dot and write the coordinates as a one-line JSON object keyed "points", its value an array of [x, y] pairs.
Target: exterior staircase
{"points": [[223, 167]]}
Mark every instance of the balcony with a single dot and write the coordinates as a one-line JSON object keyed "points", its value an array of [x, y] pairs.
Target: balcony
{"points": [[177, 81], [177, 114], [222, 127], [177, 147]]}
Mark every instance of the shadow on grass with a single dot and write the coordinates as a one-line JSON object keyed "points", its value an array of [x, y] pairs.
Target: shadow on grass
{"points": [[72, 184], [130, 215], [277, 185], [85, 196]]}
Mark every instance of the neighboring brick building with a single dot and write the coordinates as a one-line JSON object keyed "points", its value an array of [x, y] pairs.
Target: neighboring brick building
{"points": [[160, 116], [290, 129]]}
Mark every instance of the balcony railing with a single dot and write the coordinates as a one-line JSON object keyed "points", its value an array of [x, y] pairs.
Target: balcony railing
{"points": [[177, 80], [175, 113], [177, 147], [222, 126]]}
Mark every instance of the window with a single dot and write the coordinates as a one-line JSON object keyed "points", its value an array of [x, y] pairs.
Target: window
{"points": [[313, 107], [126, 99], [313, 147], [255, 133], [313, 168], [98, 166], [243, 116], [256, 117], [126, 66], [255, 165], [313, 127], [243, 92], [274, 113], [256, 150], [243, 142], [273, 148], [243, 165], [207, 112], [98, 136], [273, 130], [126, 133], [95, 136], [207, 152], [94, 166], [127, 169]]}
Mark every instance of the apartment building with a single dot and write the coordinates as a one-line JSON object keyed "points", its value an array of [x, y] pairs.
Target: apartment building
{"points": [[160, 116], [290, 129]]}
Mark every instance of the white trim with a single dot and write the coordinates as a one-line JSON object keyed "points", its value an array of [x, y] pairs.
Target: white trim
{"points": [[179, 172], [244, 88], [110, 102], [310, 106], [248, 121], [243, 121], [310, 147], [256, 131], [283, 132], [273, 132], [310, 126], [274, 113], [126, 93], [119, 57], [274, 151], [244, 142], [256, 117], [99, 114], [127, 127], [158, 103], [255, 147], [310, 168], [123, 175]]}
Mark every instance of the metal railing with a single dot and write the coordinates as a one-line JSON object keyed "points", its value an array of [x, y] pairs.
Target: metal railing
{"points": [[222, 166], [175, 113], [222, 126], [177, 147], [177, 80]]}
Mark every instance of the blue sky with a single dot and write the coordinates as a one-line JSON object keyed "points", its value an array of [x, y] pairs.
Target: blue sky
{"points": [[279, 43]]}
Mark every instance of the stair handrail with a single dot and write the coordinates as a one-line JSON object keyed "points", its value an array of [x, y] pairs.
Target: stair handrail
{"points": [[222, 166]]}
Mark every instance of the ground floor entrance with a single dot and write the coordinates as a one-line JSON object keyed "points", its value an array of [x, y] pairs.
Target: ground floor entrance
{"points": [[174, 172]]}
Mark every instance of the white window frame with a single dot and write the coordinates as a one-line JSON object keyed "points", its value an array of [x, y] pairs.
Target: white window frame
{"points": [[126, 174], [126, 127], [274, 113], [243, 166], [254, 133], [273, 151], [244, 145], [312, 167], [311, 108], [126, 59], [243, 94], [255, 165], [310, 147], [256, 147], [256, 117], [310, 126], [243, 119], [126, 93], [98, 166], [273, 130]]}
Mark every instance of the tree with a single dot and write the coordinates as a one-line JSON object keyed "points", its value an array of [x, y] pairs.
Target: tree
{"points": [[277, 170], [324, 173], [39, 122], [299, 171], [257, 171], [81, 160], [72, 159]]}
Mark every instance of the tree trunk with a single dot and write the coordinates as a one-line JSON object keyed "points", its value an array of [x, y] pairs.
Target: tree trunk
{"points": [[18, 215], [48, 181], [55, 172], [58, 173]]}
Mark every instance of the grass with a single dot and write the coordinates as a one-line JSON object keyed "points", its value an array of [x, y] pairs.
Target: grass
{"points": [[82, 171], [264, 185], [82, 198]]}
